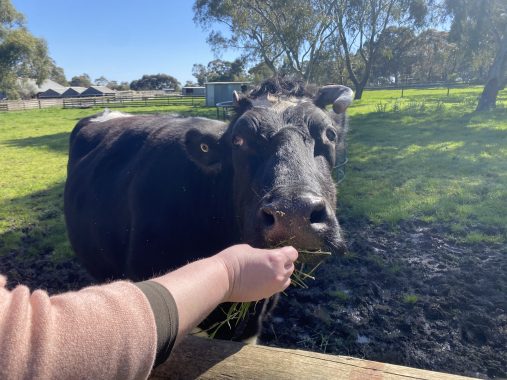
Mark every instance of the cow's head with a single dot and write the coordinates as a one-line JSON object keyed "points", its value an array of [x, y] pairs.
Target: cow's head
{"points": [[284, 145]]}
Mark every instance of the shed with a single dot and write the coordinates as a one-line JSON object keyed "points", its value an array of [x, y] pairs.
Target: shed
{"points": [[73, 92], [52, 93], [193, 91], [218, 92], [98, 91]]}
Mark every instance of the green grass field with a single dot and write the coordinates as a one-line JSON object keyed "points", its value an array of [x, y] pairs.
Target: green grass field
{"points": [[429, 157], [425, 157]]}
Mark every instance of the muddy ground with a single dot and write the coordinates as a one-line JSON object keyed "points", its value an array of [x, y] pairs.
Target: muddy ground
{"points": [[408, 296]]}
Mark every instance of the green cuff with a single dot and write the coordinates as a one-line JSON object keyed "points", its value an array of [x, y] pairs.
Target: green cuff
{"points": [[166, 317]]}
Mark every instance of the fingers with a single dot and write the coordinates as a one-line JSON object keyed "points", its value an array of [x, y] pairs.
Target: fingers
{"points": [[290, 252], [286, 284], [289, 265]]}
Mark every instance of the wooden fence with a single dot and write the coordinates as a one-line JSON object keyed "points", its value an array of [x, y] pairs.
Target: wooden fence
{"points": [[133, 101], [19, 105], [119, 101], [200, 358]]}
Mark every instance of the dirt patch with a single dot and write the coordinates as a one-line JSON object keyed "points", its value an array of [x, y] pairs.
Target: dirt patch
{"points": [[40, 272], [409, 297]]}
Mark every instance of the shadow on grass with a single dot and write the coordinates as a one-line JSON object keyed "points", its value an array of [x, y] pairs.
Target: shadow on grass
{"points": [[449, 168], [58, 142], [35, 251]]}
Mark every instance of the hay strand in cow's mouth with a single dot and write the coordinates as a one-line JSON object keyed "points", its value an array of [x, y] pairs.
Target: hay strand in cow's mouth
{"points": [[238, 311]]}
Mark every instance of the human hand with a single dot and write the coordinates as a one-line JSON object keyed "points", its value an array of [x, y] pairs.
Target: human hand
{"points": [[254, 273]]}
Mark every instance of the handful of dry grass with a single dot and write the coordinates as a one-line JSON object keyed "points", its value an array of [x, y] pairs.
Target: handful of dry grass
{"points": [[239, 310]]}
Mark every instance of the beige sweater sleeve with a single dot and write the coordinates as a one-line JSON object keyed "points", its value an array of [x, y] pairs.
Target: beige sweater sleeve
{"points": [[100, 332]]}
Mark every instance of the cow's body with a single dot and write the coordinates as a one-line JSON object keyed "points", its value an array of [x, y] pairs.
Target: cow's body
{"points": [[146, 194], [132, 197]]}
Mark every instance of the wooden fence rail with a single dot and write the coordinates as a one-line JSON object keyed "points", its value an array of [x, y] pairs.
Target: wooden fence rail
{"points": [[19, 105], [200, 358], [103, 101], [133, 101]]}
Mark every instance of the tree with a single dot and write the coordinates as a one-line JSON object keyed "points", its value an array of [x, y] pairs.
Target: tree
{"points": [[481, 26], [58, 75], [220, 71], [102, 81], [266, 30], [433, 57], [155, 82], [395, 56], [122, 86], [361, 25], [260, 72], [82, 80], [21, 54]]}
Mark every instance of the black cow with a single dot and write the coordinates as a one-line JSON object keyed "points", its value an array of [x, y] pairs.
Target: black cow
{"points": [[149, 193]]}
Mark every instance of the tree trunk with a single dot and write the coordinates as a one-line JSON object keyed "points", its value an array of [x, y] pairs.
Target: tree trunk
{"points": [[359, 92], [495, 77], [487, 100]]}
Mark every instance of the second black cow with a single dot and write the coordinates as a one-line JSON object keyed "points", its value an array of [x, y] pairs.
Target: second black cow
{"points": [[149, 193]]}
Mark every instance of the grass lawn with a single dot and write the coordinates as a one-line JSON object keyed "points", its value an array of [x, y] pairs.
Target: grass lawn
{"points": [[425, 156]]}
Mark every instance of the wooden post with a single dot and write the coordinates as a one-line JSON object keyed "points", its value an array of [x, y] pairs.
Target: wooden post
{"points": [[200, 358]]}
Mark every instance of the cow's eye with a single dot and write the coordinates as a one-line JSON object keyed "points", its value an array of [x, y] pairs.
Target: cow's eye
{"points": [[331, 135], [238, 141], [205, 148]]}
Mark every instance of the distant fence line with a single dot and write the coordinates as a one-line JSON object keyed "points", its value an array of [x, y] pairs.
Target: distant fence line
{"points": [[413, 85], [19, 105], [133, 101], [103, 101]]}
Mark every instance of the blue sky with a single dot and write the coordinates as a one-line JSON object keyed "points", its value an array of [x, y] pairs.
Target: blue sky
{"points": [[121, 40]]}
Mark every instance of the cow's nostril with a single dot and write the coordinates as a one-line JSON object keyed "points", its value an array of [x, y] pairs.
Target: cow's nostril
{"points": [[319, 215], [267, 218]]}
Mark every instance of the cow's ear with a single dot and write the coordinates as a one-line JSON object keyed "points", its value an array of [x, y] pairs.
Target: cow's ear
{"points": [[337, 95], [204, 150], [241, 103]]}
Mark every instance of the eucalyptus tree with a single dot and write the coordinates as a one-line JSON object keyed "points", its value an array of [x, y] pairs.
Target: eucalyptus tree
{"points": [[481, 29], [289, 33], [82, 80], [21, 54], [361, 26], [395, 56], [434, 57]]}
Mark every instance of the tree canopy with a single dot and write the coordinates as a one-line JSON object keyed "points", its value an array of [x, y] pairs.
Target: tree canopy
{"points": [[220, 71], [21, 54], [480, 28], [155, 82], [300, 37], [82, 80]]}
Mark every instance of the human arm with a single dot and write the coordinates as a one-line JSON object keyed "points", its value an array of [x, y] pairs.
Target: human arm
{"points": [[237, 274], [110, 331]]}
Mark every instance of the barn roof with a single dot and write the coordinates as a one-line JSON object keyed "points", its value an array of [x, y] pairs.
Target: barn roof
{"points": [[44, 86], [75, 89], [97, 90], [52, 93], [102, 89]]}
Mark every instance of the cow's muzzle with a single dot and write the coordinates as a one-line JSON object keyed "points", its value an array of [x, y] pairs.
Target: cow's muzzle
{"points": [[301, 221]]}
